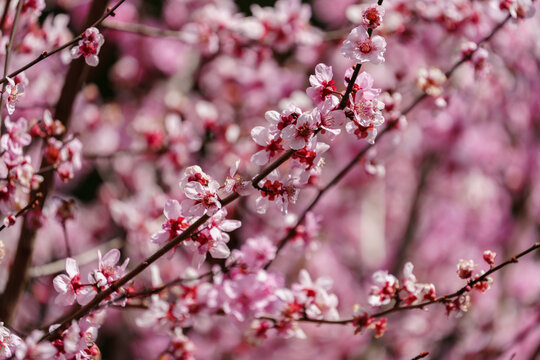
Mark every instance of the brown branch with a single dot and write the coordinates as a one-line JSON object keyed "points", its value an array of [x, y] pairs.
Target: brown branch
{"points": [[441, 299]]}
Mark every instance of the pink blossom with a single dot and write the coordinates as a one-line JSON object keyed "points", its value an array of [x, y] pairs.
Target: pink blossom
{"points": [[272, 145], [176, 223], [300, 134], [213, 238], [322, 85], [359, 46], [431, 80], [330, 117], [70, 287], [33, 349], [489, 257], [16, 136], [278, 190], [108, 272], [14, 90], [89, 46], [465, 268], [203, 199], [385, 290]]}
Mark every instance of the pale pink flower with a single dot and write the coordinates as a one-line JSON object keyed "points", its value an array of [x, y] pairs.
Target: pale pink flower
{"points": [[9, 343], [385, 290], [175, 224], [70, 287], [70, 159], [483, 285], [108, 272], [194, 174], [465, 268], [279, 121], [296, 136], [275, 189], [318, 303], [16, 136], [254, 254], [213, 238], [322, 85], [360, 47], [33, 349], [89, 46], [489, 257], [202, 199], [14, 90], [519, 9], [330, 118], [431, 80], [272, 145]]}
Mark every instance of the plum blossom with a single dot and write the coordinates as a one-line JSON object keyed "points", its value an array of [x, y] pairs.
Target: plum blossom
{"points": [[364, 110], [518, 9], [194, 174], [14, 90], [89, 46], [296, 136], [70, 159], [465, 268], [318, 303], [9, 343], [322, 85], [484, 284], [431, 80], [361, 319], [489, 257], [331, 118], [202, 199], [359, 46], [276, 189], [213, 238], [33, 349], [272, 145], [108, 272], [16, 136], [253, 255], [278, 121], [175, 224], [385, 290], [415, 291], [70, 287]]}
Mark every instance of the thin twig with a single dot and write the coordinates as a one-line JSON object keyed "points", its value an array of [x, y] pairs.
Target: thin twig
{"points": [[144, 30], [46, 54]]}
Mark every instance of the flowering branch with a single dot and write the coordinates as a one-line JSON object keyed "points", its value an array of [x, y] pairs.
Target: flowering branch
{"points": [[46, 54], [441, 299], [390, 126]]}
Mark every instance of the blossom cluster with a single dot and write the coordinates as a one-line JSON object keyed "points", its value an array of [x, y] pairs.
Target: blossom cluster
{"points": [[228, 263]]}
